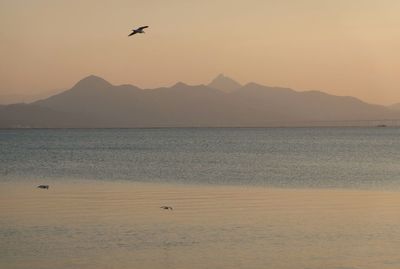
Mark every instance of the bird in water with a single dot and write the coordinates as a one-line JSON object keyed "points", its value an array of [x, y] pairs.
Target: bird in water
{"points": [[166, 207], [138, 30], [43, 187]]}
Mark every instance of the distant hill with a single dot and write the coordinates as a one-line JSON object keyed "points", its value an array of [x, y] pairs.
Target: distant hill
{"points": [[224, 84], [395, 107], [12, 98], [94, 102], [33, 116]]}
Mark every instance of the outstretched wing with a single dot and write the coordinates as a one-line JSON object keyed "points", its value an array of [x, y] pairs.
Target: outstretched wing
{"points": [[133, 32], [143, 27]]}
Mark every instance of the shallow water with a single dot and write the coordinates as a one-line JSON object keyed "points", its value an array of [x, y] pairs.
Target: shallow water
{"points": [[120, 225]]}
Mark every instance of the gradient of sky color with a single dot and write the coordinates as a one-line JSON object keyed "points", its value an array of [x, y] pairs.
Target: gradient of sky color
{"points": [[342, 47]]}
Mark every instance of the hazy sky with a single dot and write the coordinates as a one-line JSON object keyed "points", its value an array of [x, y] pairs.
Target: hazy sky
{"points": [[344, 47]]}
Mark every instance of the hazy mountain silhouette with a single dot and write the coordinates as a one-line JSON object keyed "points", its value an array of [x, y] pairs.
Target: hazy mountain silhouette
{"points": [[28, 115], [395, 107], [12, 98], [224, 84], [94, 102]]}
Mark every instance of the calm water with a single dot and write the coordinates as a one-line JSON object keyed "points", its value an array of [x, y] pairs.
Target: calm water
{"points": [[287, 157], [337, 205]]}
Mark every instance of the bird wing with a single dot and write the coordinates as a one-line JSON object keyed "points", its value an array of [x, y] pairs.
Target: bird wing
{"points": [[133, 32], [143, 27]]}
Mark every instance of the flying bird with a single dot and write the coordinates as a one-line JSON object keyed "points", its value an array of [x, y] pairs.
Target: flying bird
{"points": [[166, 207], [43, 186], [138, 30]]}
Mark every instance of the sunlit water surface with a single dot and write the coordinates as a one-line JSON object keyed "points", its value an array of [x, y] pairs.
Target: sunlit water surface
{"points": [[252, 198]]}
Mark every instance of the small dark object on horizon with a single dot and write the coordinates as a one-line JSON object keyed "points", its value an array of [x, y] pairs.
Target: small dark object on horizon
{"points": [[166, 207], [43, 187]]}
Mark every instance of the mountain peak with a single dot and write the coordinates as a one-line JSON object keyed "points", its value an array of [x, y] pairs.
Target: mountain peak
{"points": [[179, 85], [224, 83], [92, 81]]}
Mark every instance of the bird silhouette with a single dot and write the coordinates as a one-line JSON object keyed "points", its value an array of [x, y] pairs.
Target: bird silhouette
{"points": [[138, 30]]}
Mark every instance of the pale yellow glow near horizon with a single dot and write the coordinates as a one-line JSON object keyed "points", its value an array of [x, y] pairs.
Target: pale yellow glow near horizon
{"points": [[340, 47]]}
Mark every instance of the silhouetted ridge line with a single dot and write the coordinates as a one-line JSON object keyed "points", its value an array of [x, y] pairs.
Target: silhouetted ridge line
{"points": [[93, 82], [224, 84], [93, 102]]}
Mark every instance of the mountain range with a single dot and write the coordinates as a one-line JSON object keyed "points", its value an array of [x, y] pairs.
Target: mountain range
{"points": [[95, 103], [12, 98]]}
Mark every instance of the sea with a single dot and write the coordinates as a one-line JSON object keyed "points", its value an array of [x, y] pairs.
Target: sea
{"points": [[278, 198], [280, 157]]}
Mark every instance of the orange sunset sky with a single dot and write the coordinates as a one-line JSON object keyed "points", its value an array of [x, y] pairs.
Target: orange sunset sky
{"points": [[343, 47]]}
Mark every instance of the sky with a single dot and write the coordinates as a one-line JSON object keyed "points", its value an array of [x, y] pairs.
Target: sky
{"points": [[342, 47]]}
